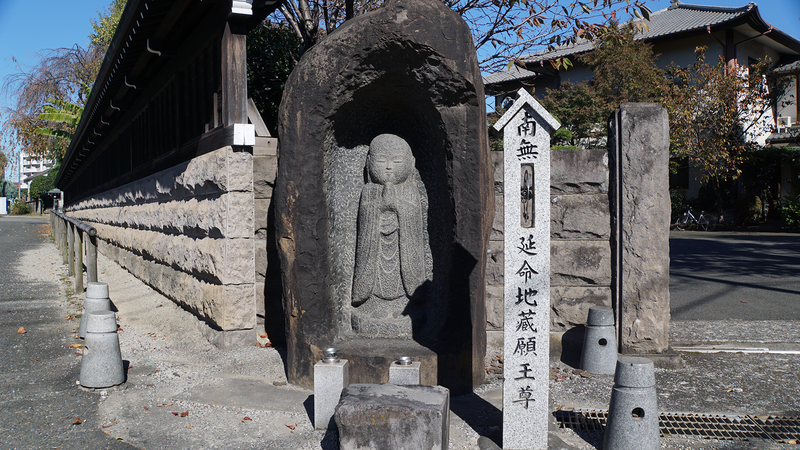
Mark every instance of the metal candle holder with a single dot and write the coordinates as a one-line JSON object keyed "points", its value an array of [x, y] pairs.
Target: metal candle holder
{"points": [[330, 355]]}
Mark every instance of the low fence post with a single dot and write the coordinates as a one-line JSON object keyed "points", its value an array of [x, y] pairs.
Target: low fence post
{"points": [[78, 260], [91, 257], [70, 250], [62, 231]]}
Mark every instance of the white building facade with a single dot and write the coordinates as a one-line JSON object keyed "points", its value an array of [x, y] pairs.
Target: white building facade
{"points": [[30, 166]]}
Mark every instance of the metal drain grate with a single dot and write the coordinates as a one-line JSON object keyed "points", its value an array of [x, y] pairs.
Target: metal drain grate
{"points": [[775, 428]]}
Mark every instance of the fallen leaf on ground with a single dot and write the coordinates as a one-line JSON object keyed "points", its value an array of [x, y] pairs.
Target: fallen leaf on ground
{"points": [[189, 426], [185, 413], [79, 353], [291, 427], [175, 413], [164, 404], [146, 408], [76, 346], [246, 418], [21, 330], [110, 423], [78, 421]]}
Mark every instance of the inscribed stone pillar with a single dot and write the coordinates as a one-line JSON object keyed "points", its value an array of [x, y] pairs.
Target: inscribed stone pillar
{"points": [[639, 141], [527, 128], [383, 198]]}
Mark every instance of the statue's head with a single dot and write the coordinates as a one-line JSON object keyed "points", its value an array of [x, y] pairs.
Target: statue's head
{"points": [[389, 160]]}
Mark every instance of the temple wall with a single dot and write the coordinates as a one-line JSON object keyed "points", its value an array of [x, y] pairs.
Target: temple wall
{"points": [[191, 233], [580, 248]]}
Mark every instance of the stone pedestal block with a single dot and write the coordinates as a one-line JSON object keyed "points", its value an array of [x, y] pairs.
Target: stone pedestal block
{"points": [[393, 417], [330, 378], [370, 359], [401, 374]]}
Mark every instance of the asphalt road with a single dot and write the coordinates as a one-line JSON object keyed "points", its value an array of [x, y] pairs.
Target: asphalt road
{"points": [[39, 400], [733, 275]]}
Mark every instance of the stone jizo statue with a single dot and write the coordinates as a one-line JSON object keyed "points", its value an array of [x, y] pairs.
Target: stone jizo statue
{"points": [[391, 244]]}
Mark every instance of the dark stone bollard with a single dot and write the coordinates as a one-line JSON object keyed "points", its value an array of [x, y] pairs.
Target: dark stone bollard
{"points": [[599, 354], [633, 413]]}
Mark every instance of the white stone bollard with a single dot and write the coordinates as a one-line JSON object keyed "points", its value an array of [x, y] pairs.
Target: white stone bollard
{"points": [[101, 365], [599, 354], [96, 301], [331, 376], [633, 413], [404, 371]]}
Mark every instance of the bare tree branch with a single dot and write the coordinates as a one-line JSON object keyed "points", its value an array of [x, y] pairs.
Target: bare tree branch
{"points": [[502, 30]]}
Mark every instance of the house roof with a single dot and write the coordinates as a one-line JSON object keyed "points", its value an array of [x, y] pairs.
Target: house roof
{"points": [[678, 20], [787, 69], [514, 73]]}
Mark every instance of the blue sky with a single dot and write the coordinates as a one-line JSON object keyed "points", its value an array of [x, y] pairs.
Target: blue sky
{"points": [[28, 26]]}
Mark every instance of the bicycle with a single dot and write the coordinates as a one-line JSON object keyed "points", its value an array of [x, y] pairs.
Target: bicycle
{"points": [[705, 221]]}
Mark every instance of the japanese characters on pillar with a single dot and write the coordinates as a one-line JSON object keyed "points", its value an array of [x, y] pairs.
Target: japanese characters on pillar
{"points": [[526, 143]]}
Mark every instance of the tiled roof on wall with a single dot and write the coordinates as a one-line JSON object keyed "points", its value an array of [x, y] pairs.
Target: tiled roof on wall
{"points": [[679, 17]]}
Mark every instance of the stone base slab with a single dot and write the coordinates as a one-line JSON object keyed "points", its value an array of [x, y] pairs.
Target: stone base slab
{"points": [[386, 416], [229, 339], [370, 359]]}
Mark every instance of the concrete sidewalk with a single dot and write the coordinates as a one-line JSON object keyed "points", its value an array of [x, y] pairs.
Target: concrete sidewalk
{"points": [[181, 392]]}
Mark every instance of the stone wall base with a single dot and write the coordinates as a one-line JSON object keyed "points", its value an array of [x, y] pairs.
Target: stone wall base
{"points": [[228, 339], [192, 294]]}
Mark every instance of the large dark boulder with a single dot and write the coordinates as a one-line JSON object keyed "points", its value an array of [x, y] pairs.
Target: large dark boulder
{"points": [[408, 69]]}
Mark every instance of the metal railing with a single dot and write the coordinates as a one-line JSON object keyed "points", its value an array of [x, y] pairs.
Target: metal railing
{"points": [[69, 237]]}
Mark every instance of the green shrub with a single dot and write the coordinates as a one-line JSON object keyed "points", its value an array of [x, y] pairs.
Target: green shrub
{"points": [[748, 209], [562, 135], [20, 207], [677, 198], [790, 212]]}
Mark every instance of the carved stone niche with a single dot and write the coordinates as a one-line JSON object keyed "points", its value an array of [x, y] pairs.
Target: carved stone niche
{"points": [[384, 198]]}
